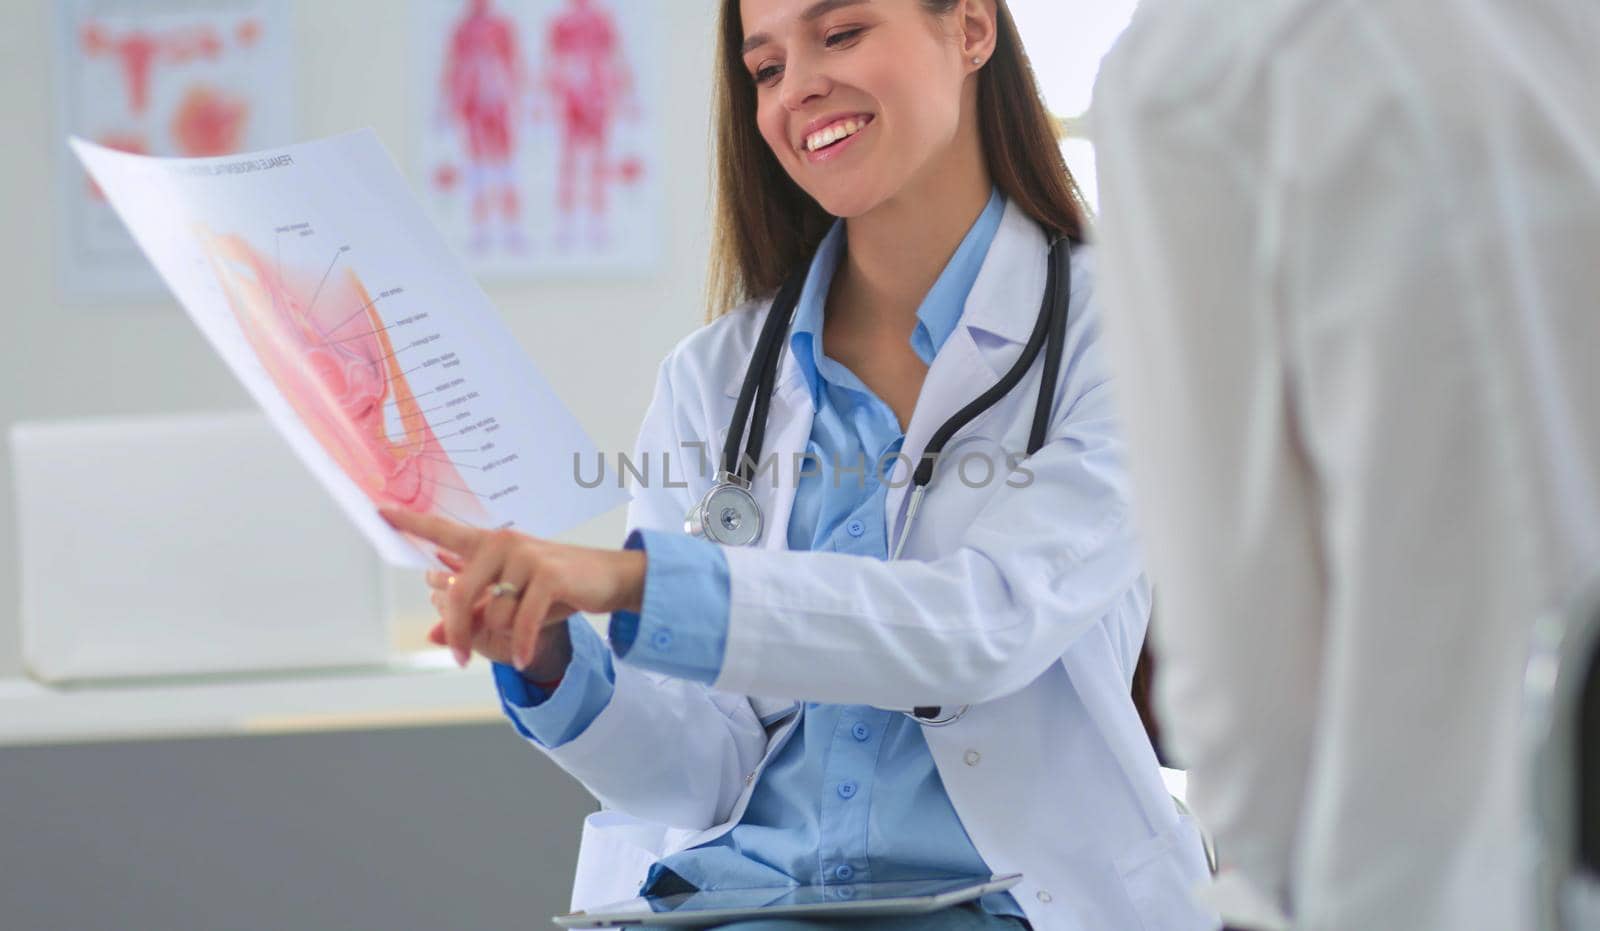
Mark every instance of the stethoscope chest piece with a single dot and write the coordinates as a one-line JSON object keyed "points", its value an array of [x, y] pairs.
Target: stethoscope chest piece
{"points": [[728, 514]]}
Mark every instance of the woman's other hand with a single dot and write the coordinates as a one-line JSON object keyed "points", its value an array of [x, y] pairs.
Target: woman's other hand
{"points": [[543, 584], [552, 648]]}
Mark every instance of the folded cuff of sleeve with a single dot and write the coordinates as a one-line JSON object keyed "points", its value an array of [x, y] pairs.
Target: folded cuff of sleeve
{"points": [[555, 718], [683, 629]]}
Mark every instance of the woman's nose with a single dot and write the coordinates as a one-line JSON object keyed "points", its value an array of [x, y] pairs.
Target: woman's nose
{"points": [[803, 82]]}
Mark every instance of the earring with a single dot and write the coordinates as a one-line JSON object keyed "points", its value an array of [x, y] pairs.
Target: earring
{"points": [[977, 60]]}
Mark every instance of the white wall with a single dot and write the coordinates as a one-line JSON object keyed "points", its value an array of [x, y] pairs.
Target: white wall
{"points": [[598, 342]]}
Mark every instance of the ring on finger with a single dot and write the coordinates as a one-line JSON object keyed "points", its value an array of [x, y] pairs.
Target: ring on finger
{"points": [[501, 608]]}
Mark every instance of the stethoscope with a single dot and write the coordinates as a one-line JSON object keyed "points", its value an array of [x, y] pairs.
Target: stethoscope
{"points": [[728, 513]]}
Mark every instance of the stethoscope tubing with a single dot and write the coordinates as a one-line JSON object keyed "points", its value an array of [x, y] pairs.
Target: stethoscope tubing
{"points": [[757, 393], [1048, 335]]}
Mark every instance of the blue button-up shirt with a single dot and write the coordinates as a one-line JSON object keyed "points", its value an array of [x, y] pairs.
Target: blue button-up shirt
{"points": [[853, 795]]}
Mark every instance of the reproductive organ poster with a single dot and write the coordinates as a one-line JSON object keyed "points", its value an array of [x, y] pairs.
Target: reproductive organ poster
{"points": [[159, 77], [318, 279], [534, 132]]}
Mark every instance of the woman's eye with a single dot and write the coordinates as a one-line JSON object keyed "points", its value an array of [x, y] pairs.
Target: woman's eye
{"points": [[841, 37], [766, 74]]}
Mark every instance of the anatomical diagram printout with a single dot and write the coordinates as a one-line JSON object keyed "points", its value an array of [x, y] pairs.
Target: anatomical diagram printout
{"points": [[316, 276]]}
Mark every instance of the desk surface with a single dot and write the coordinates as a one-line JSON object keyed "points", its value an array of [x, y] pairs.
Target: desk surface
{"points": [[412, 690]]}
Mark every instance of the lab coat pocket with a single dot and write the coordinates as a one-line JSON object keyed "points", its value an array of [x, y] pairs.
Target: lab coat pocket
{"points": [[1160, 874], [614, 856]]}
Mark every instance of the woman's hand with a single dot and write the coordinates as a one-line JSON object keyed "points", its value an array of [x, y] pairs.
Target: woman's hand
{"points": [[543, 583], [552, 649]]}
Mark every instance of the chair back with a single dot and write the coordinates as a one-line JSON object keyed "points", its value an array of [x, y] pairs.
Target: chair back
{"points": [[1563, 743]]}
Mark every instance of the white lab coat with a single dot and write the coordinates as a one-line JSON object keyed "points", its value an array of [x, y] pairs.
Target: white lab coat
{"points": [[1350, 257], [1028, 604]]}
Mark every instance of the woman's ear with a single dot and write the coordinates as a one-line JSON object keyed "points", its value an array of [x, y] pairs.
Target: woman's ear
{"points": [[978, 31]]}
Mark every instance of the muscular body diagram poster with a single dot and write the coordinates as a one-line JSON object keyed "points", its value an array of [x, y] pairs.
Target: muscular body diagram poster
{"points": [[318, 279], [534, 132], [158, 77]]}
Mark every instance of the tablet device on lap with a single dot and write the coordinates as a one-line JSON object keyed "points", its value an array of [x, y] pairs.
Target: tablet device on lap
{"points": [[859, 900]]}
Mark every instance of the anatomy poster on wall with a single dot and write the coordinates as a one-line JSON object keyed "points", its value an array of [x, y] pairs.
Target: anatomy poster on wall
{"points": [[534, 129], [158, 77]]}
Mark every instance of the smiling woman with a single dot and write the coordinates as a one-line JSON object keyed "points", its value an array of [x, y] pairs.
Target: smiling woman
{"points": [[772, 212], [831, 679]]}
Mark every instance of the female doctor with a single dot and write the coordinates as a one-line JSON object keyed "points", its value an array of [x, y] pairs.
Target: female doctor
{"points": [[886, 168]]}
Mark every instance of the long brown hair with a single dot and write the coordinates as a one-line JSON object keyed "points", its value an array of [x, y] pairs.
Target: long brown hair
{"points": [[765, 223]]}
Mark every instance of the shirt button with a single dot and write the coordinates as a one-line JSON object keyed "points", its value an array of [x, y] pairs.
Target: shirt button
{"points": [[846, 892], [847, 790], [662, 640], [860, 731], [844, 871], [750, 779], [855, 528], [973, 757], [1044, 897]]}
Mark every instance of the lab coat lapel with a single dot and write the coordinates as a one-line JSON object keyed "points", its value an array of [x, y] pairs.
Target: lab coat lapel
{"points": [[1004, 301], [789, 432]]}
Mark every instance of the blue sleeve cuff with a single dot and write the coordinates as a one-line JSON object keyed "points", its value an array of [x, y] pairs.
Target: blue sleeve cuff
{"points": [[555, 718], [683, 629]]}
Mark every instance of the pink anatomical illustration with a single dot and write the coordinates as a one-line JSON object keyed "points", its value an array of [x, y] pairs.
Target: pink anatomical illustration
{"points": [[209, 122], [587, 74], [482, 89], [536, 150], [138, 52], [323, 343], [177, 88]]}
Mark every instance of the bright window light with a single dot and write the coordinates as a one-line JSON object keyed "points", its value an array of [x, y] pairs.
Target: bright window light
{"points": [[1065, 40]]}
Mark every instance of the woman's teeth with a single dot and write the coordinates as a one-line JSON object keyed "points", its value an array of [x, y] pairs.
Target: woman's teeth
{"points": [[833, 134]]}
